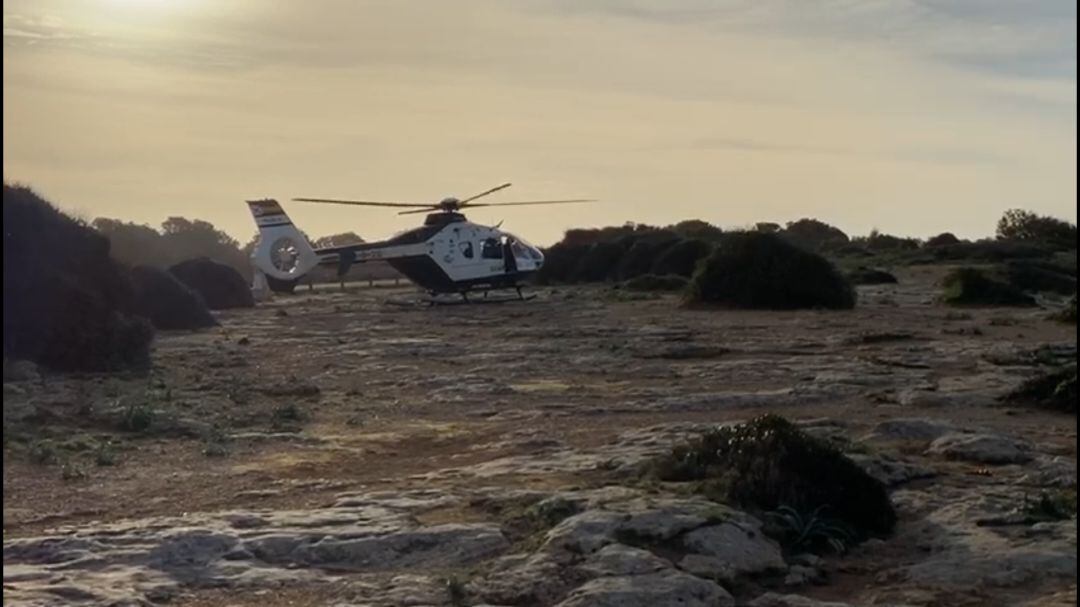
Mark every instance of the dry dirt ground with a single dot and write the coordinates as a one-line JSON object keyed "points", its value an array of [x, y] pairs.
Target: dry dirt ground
{"points": [[436, 426]]}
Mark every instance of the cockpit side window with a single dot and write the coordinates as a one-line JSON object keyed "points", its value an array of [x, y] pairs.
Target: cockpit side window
{"points": [[491, 249], [466, 249]]}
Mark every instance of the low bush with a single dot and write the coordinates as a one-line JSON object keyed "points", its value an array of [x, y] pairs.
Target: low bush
{"points": [[1040, 276], [167, 302], [973, 287], [220, 286], [1054, 390], [943, 239], [768, 463], [761, 270], [870, 276]]}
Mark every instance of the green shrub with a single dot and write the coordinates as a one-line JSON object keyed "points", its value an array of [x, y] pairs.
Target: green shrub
{"points": [[138, 417], [1057, 505], [1040, 276], [1055, 390], [652, 282], [759, 270], [769, 463], [681, 258], [870, 276], [972, 287]]}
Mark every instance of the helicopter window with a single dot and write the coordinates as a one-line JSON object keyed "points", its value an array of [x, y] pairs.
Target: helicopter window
{"points": [[491, 249], [466, 249]]}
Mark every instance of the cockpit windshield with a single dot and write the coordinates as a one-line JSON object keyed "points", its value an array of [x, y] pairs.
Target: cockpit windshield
{"points": [[522, 248]]}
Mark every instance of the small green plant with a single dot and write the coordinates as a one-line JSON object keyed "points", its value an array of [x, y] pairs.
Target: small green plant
{"points": [[1058, 505], [73, 471], [455, 588], [105, 454], [138, 417], [288, 416], [1054, 390], [43, 452], [768, 463], [809, 532], [215, 443]]}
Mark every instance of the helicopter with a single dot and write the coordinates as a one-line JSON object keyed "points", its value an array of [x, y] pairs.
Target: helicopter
{"points": [[448, 254]]}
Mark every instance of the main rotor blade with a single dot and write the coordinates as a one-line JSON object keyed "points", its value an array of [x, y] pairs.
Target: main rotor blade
{"points": [[364, 203], [427, 209], [462, 203], [529, 202]]}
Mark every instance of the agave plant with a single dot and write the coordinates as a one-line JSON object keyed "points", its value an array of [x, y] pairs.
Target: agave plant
{"points": [[803, 532]]}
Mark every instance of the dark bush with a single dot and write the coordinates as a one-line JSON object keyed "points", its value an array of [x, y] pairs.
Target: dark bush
{"points": [[220, 286], [769, 463], [972, 287], [653, 282], [1054, 390], [640, 257], [870, 276], [67, 304], [681, 258], [560, 261], [988, 251], [1025, 226], [945, 238], [598, 263], [167, 302], [1068, 313], [879, 242], [814, 235], [759, 270], [1039, 276], [851, 250]]}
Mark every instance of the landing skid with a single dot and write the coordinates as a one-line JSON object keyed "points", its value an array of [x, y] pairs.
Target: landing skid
{"points": [[464, 298]]}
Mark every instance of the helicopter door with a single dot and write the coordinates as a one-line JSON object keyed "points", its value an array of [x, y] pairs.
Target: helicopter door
{"points": [[509, 262]]}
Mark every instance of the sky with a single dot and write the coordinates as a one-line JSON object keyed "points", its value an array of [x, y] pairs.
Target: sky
{"points": [[909, 116]]}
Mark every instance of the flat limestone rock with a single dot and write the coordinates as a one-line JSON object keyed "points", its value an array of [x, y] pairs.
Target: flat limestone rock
{"points": [[981, 448], [667, 588], [746, 550]]}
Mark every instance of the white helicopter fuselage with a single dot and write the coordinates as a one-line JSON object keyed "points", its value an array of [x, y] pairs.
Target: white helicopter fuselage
{"points": [[448, 254]]}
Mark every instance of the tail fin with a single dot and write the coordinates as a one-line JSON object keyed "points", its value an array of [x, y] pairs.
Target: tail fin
{"points": [[283, 252]]}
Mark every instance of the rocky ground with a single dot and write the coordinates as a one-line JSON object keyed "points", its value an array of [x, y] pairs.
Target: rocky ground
{"points": [[334, 449]]}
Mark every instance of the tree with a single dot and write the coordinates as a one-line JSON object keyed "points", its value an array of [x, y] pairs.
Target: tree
{"points": [[696, 228], [1025, 226]]}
